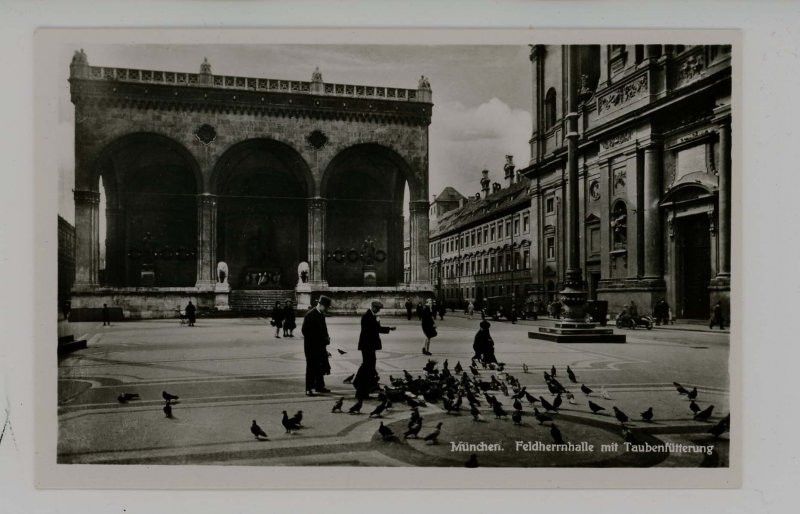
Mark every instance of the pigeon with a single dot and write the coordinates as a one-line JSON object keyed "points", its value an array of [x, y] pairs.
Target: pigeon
{"points": [[408, 376], [448, 405], [458, 369], [585, 390], [415, 417], [356, 409], [694, 407], [680, 388], [546, 377], [547, 405], [703, 415], [474, 370], [413, 430], [168, 397], [541, 418], [531, 399], [288, 424], [595, 408], [692, 395], [349, 380], [719, 429], [337, 407], [472, 462], [524, 368], [628, 435], [378, 410], [604, 394], [516, 416], [385, 432], [257, 431], [126, 397], [517, 404], [557, 402], [476, 414], [647, 415], [341, 352], [552, 388], [498, 410], [571, 399], [621, 416], [433, 437], [297, 419], [552, 371], [444, 365], [571, 376], [168, 410], [556, 434]]}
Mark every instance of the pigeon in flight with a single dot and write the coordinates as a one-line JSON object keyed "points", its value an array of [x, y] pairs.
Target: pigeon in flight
{"points": [[524, 368], [516, 417], [595, 408], [694, 407], [541, 418], [472, 462], [168, 410], [257, 431], [356, 409], [385, 432], [349, 380], [337, 407], [288, 424], [571, 376], [647, 415], [413, 430], [556, 434], [621, 416], [433, 437], [704, 414], [378, 410], [126, 397], [168, 397], [585, 390], [341, 352]]}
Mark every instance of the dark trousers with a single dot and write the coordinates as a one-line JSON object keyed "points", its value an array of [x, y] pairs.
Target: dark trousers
{"points": [[365, 378], [717, 321], [408, 311], [314, 378]]}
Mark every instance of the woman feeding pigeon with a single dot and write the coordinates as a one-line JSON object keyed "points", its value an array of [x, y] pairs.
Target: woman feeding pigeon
{"points": [[484, 345]]}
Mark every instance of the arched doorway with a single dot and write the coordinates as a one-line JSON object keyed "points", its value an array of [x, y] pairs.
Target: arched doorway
{"points": [[364, 186], [262, 221], [151, 184]]}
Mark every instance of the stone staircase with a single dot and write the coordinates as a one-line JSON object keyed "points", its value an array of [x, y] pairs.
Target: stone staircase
{"points": [[262, 300]]}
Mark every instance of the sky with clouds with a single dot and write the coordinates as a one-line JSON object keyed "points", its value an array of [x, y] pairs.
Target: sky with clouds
{"points": [[481, 94]]}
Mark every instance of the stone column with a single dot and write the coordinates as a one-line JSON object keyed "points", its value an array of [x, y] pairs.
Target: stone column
{"points": [[206, 241], [87, 238], [724, 210], [316, 240], [115, 254], [653, 252], [418, 236]]}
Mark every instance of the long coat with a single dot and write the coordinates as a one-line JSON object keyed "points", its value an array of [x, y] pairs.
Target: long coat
{"points": [[315, 340], [371, 330], [428, 327]]}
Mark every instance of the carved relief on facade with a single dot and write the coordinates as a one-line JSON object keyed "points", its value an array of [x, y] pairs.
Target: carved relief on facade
{"points": [[618, 180], [594, 190], [616, 140], [621, 95], [690, 69]]}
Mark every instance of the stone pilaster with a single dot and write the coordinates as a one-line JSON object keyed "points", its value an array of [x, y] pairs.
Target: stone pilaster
{"points": [[418, 236], [206, 241], [317, 208], [724, 209], [115, 254], [87, 238], [653, 268]]}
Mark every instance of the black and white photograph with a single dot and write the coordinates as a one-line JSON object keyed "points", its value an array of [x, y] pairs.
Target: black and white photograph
{"points": [[384, 255]]}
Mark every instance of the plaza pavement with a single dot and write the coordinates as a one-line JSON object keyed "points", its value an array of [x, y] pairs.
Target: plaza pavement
{"points": [[231, 371]]}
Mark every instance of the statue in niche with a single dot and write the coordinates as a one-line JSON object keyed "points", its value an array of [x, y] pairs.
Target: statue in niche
{"points": [[619, 225], [302, 273], [222, 272]]}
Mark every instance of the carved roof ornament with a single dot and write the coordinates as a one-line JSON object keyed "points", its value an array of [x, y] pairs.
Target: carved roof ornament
{"points": [[205, 67], [424, 83], [79, 58], [317, 75]]}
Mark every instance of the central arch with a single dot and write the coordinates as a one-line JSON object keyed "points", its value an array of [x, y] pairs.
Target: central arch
{"points": [[262, 225], [364, 186]]}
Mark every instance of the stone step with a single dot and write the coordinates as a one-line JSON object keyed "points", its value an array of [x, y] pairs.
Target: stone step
{"points": [[574, 324], [578, 331], [586, 336]]}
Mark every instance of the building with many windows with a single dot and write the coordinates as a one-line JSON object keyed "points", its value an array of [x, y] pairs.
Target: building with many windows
{"points": [[654, 161], [481, 246]]}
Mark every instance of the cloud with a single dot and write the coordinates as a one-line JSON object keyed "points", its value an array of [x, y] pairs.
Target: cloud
{"points": [[464, 140]]}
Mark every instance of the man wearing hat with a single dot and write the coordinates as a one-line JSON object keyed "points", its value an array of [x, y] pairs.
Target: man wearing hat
{"points": [[315, 339], [484, 345], [368, 343]]}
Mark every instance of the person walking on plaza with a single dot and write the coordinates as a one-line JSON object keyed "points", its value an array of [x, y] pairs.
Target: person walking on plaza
{"points": [[419, 310], [289, 323], [428, 326], [315, 341], [442, 310], [471, 310], [191, 313], [409, 308], [106, 315], [661, 312], [369, 341], [484, 345], [277, 318], [716, 317]]}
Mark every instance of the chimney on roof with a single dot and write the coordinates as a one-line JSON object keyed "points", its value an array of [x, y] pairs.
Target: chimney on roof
{"points": [[509, 169], [461, 202], [485, 183], [496, 187]]}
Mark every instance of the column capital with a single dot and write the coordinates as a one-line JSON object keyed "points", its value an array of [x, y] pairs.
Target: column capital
{"points": [[86, 197], [207, 199], [316, 203]]}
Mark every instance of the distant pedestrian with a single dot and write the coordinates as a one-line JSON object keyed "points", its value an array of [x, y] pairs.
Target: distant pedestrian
{"points": [[409, 308], [315, 341], [289, 323], [420, 307], [442, 310], [277, 318], [106, 315], [716, 317], [471, 310], [428, 326], [190, 313], [661, 312]]}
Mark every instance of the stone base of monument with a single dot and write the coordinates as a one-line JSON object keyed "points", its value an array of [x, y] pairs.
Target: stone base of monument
{"points": [[221, 295], [370, 275], [577, 332]]}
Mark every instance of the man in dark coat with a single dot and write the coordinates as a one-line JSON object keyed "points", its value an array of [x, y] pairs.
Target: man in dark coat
{"points": [[716, 317], [315, 340], [106, 315], [190, 313], [368, 343], [409, 308]]}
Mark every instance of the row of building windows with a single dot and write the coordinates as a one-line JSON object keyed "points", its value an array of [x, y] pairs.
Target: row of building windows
{"points": [[469, 293], [477, 266], [490, 233]]}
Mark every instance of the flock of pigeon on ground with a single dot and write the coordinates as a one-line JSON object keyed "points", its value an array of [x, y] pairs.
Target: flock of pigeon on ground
{"points": [[452, 388]]}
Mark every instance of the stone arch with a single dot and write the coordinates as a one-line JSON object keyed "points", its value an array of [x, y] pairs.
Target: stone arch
{"points": [[686, 192], [262, 188]]}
